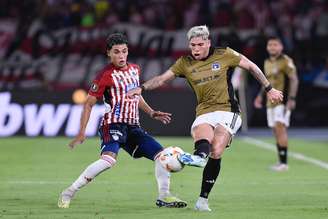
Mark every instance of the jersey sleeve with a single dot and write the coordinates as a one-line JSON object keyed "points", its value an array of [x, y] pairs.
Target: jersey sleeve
{"points": [[290, 67], [233, 56], [139, 74], [98, 86], [139, 70], [178, 68]]}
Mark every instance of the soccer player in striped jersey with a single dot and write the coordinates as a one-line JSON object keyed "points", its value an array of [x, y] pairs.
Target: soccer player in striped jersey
{"points": [[120, 127]]}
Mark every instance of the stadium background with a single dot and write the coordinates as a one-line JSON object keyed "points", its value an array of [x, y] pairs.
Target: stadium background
{"points": [[48, 49], [51, 49]]}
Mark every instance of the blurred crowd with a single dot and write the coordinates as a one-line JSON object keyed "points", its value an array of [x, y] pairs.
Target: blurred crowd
{"points": [[297, 22], [302, 16], [301, 24]]}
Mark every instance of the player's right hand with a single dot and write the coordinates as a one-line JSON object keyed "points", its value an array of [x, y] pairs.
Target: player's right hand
{"points": [[134, 92], [258, 102], [164, 117], [79, 139], [275, 96]]}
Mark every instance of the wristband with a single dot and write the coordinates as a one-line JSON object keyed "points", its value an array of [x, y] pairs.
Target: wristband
{"points": [[143, 88], [268, 88], [291, 98]]}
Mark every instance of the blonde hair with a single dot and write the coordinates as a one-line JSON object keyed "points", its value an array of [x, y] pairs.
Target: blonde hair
{"points": [[198, 31]]}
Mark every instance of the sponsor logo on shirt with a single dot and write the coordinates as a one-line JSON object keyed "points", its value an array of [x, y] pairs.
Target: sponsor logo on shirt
{"points": [[117, 110], [130, 86]]}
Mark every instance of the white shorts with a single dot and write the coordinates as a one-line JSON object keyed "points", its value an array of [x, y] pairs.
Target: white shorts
{"points": [[278, 114], [229, 120]]}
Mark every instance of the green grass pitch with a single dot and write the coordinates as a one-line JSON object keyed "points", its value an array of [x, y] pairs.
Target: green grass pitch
{"points": [[33, 171]]}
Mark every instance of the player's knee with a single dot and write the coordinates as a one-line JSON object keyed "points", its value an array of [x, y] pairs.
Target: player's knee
{"points": [[216, 153], [111, 161], [202, 148], [279, 126]]}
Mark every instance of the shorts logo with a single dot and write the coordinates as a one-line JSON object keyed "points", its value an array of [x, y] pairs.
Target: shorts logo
{"points": [[115, 137], [115, 134], [216, 66], [94, 87]]}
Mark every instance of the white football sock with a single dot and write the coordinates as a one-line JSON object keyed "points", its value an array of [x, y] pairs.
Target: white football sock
{"points": [[163, 179], [92, 171]]}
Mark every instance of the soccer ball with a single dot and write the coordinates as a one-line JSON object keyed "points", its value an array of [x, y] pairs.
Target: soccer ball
{"points": [[169, 159]]}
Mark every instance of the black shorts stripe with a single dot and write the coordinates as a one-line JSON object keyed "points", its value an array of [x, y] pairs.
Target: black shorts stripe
{"points": [[234, 119]]}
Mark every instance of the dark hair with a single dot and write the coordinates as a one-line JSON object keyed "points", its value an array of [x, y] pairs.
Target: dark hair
{"points": [[274, 38], [116, 39]]}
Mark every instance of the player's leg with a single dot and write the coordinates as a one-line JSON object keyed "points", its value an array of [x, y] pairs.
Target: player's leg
{"points": [[212, 169], [105, 162], [228, 124], [149, 148], [202, 134], [279, 122], [280, 132], [109, 150], [165, 198]]}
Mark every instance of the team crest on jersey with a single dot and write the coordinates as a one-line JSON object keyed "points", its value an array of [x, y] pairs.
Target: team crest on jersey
{"points": [[94, 87], [134, 72], [216, 66]]}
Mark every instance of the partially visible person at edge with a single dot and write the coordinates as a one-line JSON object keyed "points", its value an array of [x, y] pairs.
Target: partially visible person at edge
{"points": [[207, 70], [277, 67], [120, 127]]}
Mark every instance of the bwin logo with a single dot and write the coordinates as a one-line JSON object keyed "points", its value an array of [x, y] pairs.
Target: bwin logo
{"points": [[45, 119]]}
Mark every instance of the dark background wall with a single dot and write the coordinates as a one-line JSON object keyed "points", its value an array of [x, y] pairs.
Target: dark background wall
{"points": [[54, 113], [49, 106]]}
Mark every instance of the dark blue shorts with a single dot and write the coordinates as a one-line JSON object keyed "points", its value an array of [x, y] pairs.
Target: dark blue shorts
{"points": [[132, 138]]}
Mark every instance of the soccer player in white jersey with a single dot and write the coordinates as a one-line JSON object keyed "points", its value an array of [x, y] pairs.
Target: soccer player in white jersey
{"points": [[120, 126]]}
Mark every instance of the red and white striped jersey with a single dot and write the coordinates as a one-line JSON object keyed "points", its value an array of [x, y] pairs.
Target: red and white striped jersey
{"points": [[112, 84]]}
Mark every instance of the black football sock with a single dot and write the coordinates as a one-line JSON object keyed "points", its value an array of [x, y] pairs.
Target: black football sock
{"points": [[202, 148], [282, 153], [210, 174]]}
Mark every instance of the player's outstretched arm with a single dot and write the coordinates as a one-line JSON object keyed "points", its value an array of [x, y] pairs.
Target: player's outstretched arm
{"points": [[158, 115], [273, 95], [87, 107], [151, 84]]}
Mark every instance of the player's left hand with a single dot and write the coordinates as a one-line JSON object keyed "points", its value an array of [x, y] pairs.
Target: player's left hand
{"points": [[161, 116], [291, 104], [134, 92], [79, 139], [275, 96]]}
